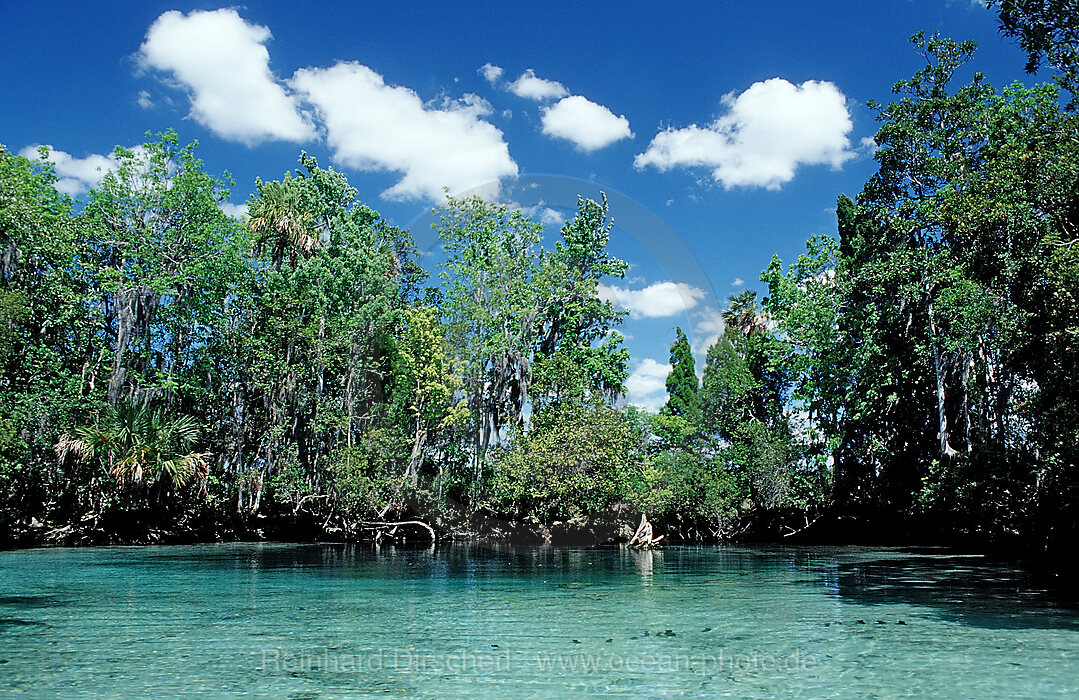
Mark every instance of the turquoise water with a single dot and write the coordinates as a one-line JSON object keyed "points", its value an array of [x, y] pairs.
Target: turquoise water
{"points": [[333, 621]]}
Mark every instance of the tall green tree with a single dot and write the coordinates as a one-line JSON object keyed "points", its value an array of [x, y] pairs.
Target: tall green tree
{"points": [[46, 339], [805, 304], [492, 310], [164, 256], [527, 325], [955, 246], [743, 402], [326, 301], [1048, 32], [682, 384], [425, 383], [578, 353]]}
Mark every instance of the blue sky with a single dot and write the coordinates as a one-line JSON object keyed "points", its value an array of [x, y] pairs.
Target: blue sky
{"points": [[723, 132]]}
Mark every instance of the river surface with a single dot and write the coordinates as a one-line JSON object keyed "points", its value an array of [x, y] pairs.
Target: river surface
{"points": [[336, 621]]}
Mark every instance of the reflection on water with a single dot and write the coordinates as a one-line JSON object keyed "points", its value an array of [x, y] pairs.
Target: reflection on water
{"points": [[273, 620], [646, 560]]}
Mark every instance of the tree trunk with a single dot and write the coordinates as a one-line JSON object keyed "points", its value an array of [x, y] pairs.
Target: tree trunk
{"points": [[419, 443], [123, 302], [946, 450]]}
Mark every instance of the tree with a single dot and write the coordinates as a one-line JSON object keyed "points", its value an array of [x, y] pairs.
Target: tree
{"points": [[805, 303], [743, 399], [954, 247], [577, 459], [578, 353], [316, 357], [424, 381], [743, 315], [279, 221], [140, 445], [46, 338], [163, 258], [1048, 31], [682, 398], [527, 326], [492, 311]]}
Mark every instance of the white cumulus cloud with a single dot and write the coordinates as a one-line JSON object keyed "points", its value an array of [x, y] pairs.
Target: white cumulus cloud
{"points": [[654, 301], [646, 387], [588, 125], [76, 175], [531, 87], [223, 63], [374, 126], [767, 132], [491, 73]]}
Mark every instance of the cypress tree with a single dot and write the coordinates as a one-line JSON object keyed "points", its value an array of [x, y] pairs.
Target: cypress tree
{"points": [[683, 399]]}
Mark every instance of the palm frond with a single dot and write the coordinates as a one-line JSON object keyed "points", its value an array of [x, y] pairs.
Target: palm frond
{"points": [[73, 448]]}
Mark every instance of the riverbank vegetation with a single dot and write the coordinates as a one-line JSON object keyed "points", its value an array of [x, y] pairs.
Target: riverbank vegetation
{"points": [[172, 371]]}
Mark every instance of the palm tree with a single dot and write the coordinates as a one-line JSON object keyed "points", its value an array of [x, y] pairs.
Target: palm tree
{"points": [[741, 313], [278, 218], [139, 444]]}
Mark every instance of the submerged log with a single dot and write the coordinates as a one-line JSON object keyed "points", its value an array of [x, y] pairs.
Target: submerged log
{"points": [[643, 539]]}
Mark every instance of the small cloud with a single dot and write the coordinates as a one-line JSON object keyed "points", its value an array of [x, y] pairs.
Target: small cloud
{"points": [[766, 134], [144, 100], [869, 145], [654, 301], [550, 217], [236, 210], [738, 282], [531, 87], [477, 104], [76, 175], [587, 125], [491, 73], [646, 387], [542, 213]]}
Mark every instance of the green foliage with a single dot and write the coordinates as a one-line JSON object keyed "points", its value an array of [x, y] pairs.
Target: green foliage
{"points": [[682, 398], [693, 487], [14, 311], [576, 458], [1048, 31], [743, 410], [360, 481], [578, 354], [920, 364], [45, 338], [139, 444], [526, 326]]}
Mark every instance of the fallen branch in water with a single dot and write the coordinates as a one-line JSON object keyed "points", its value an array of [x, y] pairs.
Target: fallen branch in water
{"points": [[802, 529], [380, 524]]}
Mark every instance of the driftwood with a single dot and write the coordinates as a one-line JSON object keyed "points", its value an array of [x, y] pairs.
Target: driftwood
{"points": [[395, 525], [809, 523], [643, 539]]}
